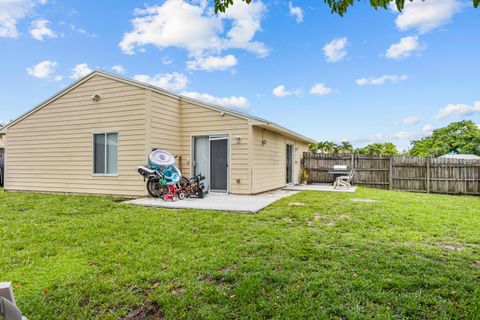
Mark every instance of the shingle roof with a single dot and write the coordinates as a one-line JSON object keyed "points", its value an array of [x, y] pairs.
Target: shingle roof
{"points": [[461, 156]]}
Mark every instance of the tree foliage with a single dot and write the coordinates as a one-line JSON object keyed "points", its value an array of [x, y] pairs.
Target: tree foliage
{"points": [[387, 148], [461, 137], [331, 147], [346, 147], [337, 6]]}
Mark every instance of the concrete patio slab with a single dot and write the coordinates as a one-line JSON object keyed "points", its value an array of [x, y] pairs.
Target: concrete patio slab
{"points": [[216, 201], [318, 187]]}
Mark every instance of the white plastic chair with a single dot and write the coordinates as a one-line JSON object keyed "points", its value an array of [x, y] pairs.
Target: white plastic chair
{"points": [[344, 181]]}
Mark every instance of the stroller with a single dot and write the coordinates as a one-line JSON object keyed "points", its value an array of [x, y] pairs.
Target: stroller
{"points": [[165, 181]]}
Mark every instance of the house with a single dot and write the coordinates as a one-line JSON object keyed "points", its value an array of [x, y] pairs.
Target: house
{"points": [[461, 156], [90, 137], [2, 144]]}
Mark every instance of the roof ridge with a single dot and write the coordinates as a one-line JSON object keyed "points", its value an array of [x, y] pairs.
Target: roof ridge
{"points": [[151, 87]]}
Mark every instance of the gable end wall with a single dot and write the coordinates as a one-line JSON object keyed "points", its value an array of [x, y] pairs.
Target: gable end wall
{"points": [[51, 149]]}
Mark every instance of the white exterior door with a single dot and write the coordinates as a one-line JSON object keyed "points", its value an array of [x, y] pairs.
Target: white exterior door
{"points": [[210, 159]]}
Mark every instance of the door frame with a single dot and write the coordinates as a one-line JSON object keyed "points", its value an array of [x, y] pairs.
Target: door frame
{"points": [[291, 143], [229, 157]]}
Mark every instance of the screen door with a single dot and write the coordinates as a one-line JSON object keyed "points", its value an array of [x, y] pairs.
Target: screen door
{"points": [[289, 162], [219, 164]]}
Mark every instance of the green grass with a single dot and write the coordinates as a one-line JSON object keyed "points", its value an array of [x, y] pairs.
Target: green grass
{"points": [[85, 257]]}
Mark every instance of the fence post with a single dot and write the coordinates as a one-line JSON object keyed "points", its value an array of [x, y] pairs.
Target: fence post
{"points": [[390, 174], [428, 175]]}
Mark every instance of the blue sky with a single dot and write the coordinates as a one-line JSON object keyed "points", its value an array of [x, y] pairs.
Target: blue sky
{"points": [[369, 76]]}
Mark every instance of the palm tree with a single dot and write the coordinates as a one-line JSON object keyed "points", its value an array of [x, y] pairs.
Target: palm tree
{"points": [[375, 148], [329, 146], [346, 146], [321, 146], [313, 147]]}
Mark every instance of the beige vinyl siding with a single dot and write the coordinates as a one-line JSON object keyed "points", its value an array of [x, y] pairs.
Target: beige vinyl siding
{"points": [[268, 167], [200, 120], [269, 160], [165, 123], [51, 150], [300, 148]]}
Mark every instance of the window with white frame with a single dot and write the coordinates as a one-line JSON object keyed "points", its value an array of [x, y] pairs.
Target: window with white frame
{"points": [[105, 153]]}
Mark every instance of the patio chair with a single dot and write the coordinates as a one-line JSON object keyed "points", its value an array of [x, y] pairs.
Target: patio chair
{"points": [[344, 181], [8, 308]]}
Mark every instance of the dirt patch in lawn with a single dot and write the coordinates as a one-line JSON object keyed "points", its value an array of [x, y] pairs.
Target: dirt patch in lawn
{"points": [[222, 277], [451, 247], [296, 204], [287, 219], [330, 221], [149, 311], [212, 280], [363, 200], [177, 289], [229, 269]]}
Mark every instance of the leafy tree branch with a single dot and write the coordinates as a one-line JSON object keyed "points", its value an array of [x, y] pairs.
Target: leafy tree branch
{"points": [[339, 7]]}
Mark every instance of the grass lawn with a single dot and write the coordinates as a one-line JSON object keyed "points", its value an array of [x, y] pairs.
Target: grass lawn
{"points": [[85, 257]]}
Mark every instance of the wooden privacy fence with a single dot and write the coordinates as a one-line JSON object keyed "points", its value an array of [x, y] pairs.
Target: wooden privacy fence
{"points": [[416, 174]]}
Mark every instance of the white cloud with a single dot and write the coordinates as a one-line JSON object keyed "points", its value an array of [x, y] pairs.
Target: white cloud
{"points": [[166, 25], [281, 92], [194, 27], [381, 80], [296, 12], [336, 49], [427, 129], [321, 89], [39, 30], [458, 110], [403, 135], [211, 63], [82, 31], [246, 22], [44, 70], [379, 137], [404, 48], [11, 11], [80, 71], [411, 120], [169, 81], [236, 102], [426, 15], [119, 69]]}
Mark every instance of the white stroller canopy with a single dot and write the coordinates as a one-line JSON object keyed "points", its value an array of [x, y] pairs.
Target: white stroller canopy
{"points": [[161, 158]]}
